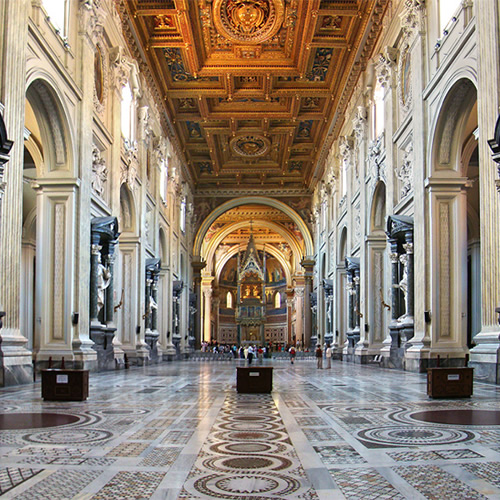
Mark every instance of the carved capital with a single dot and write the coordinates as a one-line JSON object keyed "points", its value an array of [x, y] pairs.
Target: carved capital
{"points": [[386, 66], [359, 123], [394, 257], [408, 247], [412, 18], [92, 17], [346, 145], [95, 249], [120, 67]]}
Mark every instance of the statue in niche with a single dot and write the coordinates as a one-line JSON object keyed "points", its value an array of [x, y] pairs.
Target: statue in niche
{"points": [[152, 304], [103, 280], [329, 315], [403, 284]]}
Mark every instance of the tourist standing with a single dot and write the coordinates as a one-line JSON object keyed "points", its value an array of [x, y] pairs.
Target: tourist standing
{"points": [[319, 357], [328, 355], [292, 354]]}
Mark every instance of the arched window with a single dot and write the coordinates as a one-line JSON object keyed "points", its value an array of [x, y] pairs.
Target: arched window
{"points": [[164, 180], [57, 12], [378, 110], [128, 114], [344, 177], [277, 301], [182, 221], [447, 8], [229, 300]]}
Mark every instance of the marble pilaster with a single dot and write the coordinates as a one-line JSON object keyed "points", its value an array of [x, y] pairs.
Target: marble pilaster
{"points": [[15, 364], [485, 356], [308, 264]]}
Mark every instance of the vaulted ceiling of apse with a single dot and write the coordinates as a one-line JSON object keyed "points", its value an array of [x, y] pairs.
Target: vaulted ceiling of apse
{"points": [[253, 91]]}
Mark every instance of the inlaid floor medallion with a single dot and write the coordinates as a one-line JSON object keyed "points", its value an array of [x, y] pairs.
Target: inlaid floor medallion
{"points": [[15, 421]]}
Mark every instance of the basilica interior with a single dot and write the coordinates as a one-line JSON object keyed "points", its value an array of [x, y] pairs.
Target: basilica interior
{"points": [[183, 175]]}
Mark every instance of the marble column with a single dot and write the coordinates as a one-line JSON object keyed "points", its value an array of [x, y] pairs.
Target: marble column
{"points": [[351, 291], [357, 315], [154, 310], [308, 265], [207, 296], [110, 306], [394, 256], [94, 265], [410, 298], [198, 265], [147, 304]]}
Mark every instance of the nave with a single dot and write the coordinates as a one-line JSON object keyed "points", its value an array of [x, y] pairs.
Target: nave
{"points": [[181, 431]]}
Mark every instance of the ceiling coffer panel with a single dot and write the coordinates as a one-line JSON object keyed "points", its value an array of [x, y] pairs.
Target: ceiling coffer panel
{"points": [[251, 86]]}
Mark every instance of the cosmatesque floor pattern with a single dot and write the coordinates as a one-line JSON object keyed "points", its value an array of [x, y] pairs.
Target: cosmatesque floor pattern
{"points": [[181, 431]]}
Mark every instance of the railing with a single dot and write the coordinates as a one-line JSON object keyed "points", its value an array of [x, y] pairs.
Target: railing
{"points": [[228, 356]]}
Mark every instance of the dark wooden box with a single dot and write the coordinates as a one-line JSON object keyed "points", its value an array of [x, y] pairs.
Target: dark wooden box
{"points": [[254, 380], [65, 385], [449, 382]]}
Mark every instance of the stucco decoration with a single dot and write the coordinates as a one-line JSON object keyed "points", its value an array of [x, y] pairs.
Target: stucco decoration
{"points": [[248, 21], [250, 146]]}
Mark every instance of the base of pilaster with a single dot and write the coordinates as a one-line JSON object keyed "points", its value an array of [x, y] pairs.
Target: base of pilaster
{"points": [[349, 355], [139, 357], [169, 353], [84, 357], [15, 371], [337, 353], [485, 359]]}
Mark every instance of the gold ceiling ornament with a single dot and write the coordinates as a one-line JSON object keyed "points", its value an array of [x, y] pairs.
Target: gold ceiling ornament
{"points": [[248, 21], [250, 146]]}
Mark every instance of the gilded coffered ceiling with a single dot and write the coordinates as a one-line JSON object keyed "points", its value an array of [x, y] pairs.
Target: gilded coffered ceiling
{"points": [[254, 90]]}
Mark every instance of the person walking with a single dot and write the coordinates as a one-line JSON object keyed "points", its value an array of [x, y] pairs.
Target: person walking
{"points": [[292, 354], [250, 355], [319, 357], [328, 355]]}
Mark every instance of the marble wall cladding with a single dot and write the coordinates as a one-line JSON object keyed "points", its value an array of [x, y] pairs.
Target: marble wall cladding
{"points": [[203, 440]]}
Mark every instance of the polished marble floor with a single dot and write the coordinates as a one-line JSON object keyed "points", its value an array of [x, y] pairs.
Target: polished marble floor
{"points": [[181, 431]]}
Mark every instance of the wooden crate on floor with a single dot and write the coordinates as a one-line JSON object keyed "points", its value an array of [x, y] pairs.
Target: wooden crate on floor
{"points": [[449, 382]]}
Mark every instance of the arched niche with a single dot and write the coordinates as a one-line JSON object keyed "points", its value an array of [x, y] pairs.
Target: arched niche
{"points": [[342, 253], [254, 200], [54, 128], [451, 123], [128, 221], [377, 212], [163, 247]]}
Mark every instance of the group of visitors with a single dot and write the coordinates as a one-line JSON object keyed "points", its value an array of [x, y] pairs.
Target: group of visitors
{"points": [[319, 356], [250, 352]]}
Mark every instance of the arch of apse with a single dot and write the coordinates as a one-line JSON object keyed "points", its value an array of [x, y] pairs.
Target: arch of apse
{"points": [[260, 246], [209, 249], [253, 200]]}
